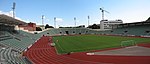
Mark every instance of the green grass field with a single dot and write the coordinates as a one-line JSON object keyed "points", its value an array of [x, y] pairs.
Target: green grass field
{"points": [[82, 43]]}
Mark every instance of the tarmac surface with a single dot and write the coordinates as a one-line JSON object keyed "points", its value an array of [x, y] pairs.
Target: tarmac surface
{"points": [[127, 51]]}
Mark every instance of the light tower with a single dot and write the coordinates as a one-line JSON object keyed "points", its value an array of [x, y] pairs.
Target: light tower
{"points": [[75, 21], [13, 8], [43, 21], [88, 20], [55, 22]]}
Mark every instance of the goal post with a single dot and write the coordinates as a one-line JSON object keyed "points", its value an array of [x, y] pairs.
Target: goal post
{"points": [[128, 43]]}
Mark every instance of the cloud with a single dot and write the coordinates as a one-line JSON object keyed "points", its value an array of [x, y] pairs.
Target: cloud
{"points": [[47, 19], [77, 20], [59, 19], [10, 13]]}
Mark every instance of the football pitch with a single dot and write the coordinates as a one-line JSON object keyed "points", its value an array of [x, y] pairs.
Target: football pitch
{"points": [[82, 43]]}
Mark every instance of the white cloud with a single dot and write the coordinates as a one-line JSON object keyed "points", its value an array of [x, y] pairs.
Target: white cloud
{"points": [[47, 19], [77, 20], [59, 19], [10, 13]]}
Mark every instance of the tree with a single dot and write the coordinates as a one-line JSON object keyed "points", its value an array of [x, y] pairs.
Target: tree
{"points": [[47, 26], [94, 26], [38, 29]]}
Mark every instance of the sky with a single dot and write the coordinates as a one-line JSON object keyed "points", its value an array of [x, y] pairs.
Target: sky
{"points": [[65, 11]]}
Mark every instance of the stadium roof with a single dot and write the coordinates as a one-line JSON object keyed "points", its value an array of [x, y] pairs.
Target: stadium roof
{"points": [[4, 19], [147, 22]]}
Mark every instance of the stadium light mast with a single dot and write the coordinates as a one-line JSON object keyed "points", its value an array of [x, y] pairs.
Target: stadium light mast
{"points": [[88, 20], [75, 21], [55, 22], [13, 8], [43, 21]]}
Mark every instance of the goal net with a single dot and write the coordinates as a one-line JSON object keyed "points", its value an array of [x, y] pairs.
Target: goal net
{"points": [[128, 43]]}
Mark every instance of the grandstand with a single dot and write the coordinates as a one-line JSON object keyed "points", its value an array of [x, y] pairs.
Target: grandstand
{"points": [[65, 31], [20, 47], [130, 29], [12, 42]]}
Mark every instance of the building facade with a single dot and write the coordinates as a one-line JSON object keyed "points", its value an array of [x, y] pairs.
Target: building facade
{"points": [[29, 26], [109, 24]]}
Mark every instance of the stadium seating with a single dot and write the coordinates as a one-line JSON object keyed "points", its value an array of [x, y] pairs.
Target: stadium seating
{"points": [[63, 31], [4, 35], [19, 42], [131, 30], [11, 57]]}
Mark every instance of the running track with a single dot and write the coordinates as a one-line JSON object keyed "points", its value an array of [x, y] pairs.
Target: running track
{"points": [[42, 53]]}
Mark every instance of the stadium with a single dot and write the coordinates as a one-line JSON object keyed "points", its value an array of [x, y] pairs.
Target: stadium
{"points": [[127, 44], [27, 43]]}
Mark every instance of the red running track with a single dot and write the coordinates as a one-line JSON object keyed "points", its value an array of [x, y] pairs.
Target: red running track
{"points": [[42, 53]]}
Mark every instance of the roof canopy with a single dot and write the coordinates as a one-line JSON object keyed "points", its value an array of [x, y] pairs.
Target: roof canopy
{"points": [[4, 19]]}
